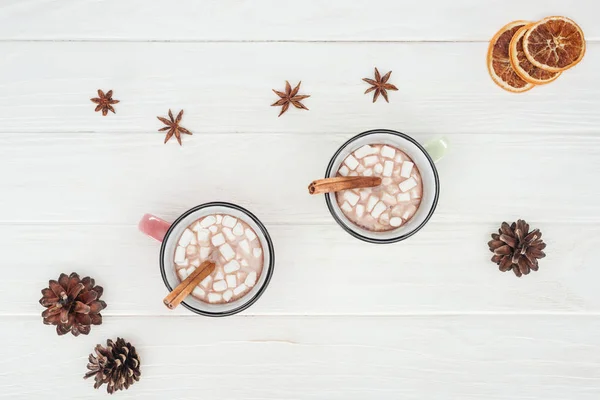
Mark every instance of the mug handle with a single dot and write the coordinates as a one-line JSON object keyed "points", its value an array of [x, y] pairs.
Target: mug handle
{"points": [[154, 227], [437, 148]]}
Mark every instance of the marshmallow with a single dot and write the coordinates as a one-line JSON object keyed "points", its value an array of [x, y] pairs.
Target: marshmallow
{"points": [[371, 160], [191, 250], [190, 270], [257, 252], [213, 229], [244, 245], [238, 230], [368, 172], [360, 210], [388, 199], [353, 173], [206, 282], [220, 286], [250, 234], [198, 292], [229, 221], [365, 151], [343, 171], [388, 152], [395, 221], [240, 289], [392, 189], [227, 295], [203, 235], [244, 263], [219, 219], [346, 207], [351, 162], [193, 241], [415, 194], [360, 169], [410, 211], [214, 297], [379, 208], [371, 203], [231, 281], [208, 221], [408, 184], [378, 168], [250, 279], [388, 168], [195, 262], [184, 263], [182, 273], [399, 158], [219, 275], [186, 237], [403, 197], [231, 266], [218, 240], [364, 195], [179, 254], [196, 227], [384, 218], [227, 252], [407, 167], [228, 234], [386, 181], [351, 197], [204, 252]]}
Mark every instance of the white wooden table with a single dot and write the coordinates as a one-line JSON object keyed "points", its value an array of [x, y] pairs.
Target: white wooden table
{"points": [[428, 318]]}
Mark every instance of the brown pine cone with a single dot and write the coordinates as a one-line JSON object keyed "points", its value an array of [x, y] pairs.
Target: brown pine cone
{"points": [[117, 365], [72, 304], [516, 248]]}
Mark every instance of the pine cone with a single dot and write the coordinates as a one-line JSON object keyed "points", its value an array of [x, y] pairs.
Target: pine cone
{"points": [[516, 248], [117, 365], [73, 304]]}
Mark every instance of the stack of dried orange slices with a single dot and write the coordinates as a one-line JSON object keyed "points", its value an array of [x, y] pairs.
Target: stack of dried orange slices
{"points": [[524, 54]]}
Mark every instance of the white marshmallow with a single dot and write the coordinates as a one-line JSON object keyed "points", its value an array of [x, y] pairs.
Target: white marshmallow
{"points": [[371, 160], [218, 240], [388, 152], [179, 254], [244, 245], [184, 263], [407, 167], [388, 168], [240, 289], [196, 227], [186, 237], [364, 194], [182, 273], [257, 252], [371, 203], [214, 297], [395, 221], [219, 275], [399, 158], [198, 292], [228, 234], [231, 281], [384, 218], [388, 199], [366, 150], [368, 172], [231, 266], [360, 169], [351, 197], [208, 221], [203, 235], [193, 241], [227, 252], [250, 234], [415, 194], [196, 262], [343, 171], [410, 211], [353, 173], [392, 189], [213, 229], [228, 295], [360, 210], [219, 219], [386, 181], [378, 168], [238, 230], [351, 162], [244, 263], [346, 207], [190, 269], [408, 184], [204, 252], [206, 282], [229, 221], [403, 197], [250, 279], [220, 286], [379, 208]]}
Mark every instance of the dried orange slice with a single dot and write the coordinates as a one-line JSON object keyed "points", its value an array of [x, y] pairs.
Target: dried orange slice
{"points": [[521, 64], [554, 44], [498, 60]]}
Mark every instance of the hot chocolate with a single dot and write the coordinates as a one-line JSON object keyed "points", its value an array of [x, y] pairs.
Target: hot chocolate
{"points": [[236, 249], [394, 202]]}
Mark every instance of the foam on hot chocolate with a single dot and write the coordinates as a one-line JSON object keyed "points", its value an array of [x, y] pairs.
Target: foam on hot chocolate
{"points": [[236, 250], [389, 205]]}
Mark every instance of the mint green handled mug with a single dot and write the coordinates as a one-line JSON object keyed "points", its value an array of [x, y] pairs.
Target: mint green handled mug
{"points": [[424, 158]]}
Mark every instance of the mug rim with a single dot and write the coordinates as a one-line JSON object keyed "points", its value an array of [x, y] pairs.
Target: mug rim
{"points": [[269, 271], [405, 235]]}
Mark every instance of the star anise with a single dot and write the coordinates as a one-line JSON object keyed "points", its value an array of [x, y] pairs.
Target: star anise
{"points": [[105, 102], [380, 85], [289, 97], [173, 127]]}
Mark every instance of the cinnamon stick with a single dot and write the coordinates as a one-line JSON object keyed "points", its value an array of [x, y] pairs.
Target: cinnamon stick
{"points": [[338, 183], [186, 287]]}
